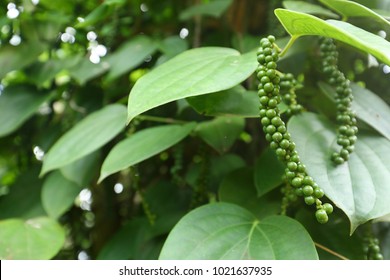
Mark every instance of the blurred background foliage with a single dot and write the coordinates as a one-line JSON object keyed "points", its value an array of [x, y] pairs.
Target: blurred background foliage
{"points": [[62, 60]]}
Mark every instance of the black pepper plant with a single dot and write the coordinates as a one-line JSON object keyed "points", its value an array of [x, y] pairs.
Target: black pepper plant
{"points": [[211, 129]]}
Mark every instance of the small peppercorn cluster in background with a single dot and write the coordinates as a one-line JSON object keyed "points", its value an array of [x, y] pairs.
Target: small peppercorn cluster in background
{"points": [[276, 132], [371, 249], [346, 136], [289, 97]]}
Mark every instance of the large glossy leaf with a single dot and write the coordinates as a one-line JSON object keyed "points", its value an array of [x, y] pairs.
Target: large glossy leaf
{"points": [[34, 239], [227, 231], [238, 187], [17, 104], [305, 7], [360, 186], [232, 102], [58, 194], [353, 9], [368, 107], [129, 55], [268, 172], [143, 145], [221, 132], [300, 24], [87, 136], [191, 73], [215, 9]]}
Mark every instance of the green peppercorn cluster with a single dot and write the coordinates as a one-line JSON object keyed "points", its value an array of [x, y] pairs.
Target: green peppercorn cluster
{"points": [[371, 249], [200, 191], [287, 90], [289, 196], [276, 132], [346, 134], [177, 165]]}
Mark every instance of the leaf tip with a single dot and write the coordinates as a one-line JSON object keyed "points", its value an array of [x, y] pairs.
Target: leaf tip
{"points": [[44, 170], [102, 176], [129, 119]]}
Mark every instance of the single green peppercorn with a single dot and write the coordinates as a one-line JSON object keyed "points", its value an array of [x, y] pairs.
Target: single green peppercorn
{"points": [[318, 193], [277, 136], [265, 121], [270, 113], [308, 190], [328, 208], [280, 152], [309, 200], [284, 144], [322, 216], [277, 121], [307, 180], [274, 145], [271, 129], [290, 175], [292, 166]]}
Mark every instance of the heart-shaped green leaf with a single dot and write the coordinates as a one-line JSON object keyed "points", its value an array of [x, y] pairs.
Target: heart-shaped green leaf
{"points": [[34, 239], [143, 145], [359, 186], [227, 231], [17, 104], [58, 194], [87, 136], [191, 73], [300, 24]]}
